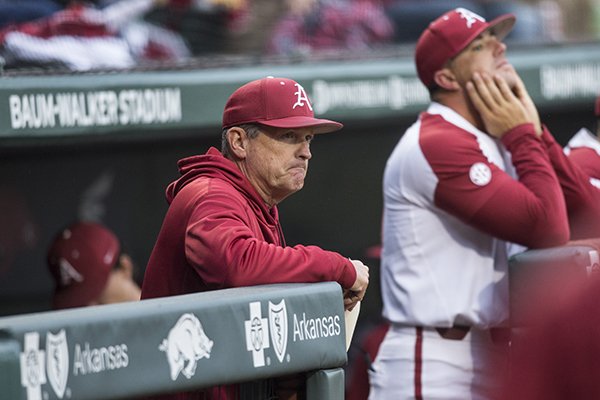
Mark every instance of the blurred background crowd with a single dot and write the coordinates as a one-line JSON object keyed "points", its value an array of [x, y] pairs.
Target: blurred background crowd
{"points": [[106, 34]]}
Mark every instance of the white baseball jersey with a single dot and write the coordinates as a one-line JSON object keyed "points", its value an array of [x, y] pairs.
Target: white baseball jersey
{"points": [[452, 204]]}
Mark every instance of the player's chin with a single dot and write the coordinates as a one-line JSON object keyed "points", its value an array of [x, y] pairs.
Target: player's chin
{"points": [[506, 70], [296, 177], [298, 184], [291, 186], [508, 73]]}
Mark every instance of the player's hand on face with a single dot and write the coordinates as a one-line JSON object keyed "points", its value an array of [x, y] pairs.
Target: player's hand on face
{"points": [[357, 292], [497, 105]]}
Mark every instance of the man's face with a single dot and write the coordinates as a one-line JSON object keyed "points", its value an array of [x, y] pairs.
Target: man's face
{"points": [[484, 54], [120, 286], [277, 161]]}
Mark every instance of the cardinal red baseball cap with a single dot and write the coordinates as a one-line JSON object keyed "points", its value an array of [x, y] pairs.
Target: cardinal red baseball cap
{"points": [[80, 259], [597, 108], [276, 102], [451, 33]]}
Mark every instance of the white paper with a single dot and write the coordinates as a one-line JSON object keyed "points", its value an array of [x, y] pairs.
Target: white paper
{"points": [[351, 317]]}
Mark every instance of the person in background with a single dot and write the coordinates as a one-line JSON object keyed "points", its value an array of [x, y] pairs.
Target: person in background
{"points": [[313, 26], [222, 227], [89, 268], [455, 206], [358, 377], [82, 37], [584, 149], [578, 169]]}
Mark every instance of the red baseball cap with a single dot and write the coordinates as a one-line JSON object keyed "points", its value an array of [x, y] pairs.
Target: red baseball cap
{"points": [[451, 33], [80, 259], [276, 102], [597, 108]]}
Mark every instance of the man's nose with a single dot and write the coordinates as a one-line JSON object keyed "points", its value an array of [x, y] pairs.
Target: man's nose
{"points": [[500, 48], [305, 151]]}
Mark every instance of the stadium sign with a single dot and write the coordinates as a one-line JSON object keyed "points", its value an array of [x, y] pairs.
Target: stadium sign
{"points": [[95, 108], [392, 92]]}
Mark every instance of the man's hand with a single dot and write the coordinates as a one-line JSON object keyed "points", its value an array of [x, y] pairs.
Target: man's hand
{"points": [[357, 292], [498, 106]]}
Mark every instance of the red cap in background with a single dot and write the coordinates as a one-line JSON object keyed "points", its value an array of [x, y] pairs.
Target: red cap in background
{"points": [[597, 108], [80, 260], [451, 33], [276, 102]]}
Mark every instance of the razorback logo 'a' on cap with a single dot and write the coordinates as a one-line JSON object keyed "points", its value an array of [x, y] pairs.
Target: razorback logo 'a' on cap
{"points": [[451, 33], [80, 259], [276, 102]]}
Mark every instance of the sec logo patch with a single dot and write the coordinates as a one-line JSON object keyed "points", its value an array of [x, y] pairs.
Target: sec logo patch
{"points": [[480, 174]]}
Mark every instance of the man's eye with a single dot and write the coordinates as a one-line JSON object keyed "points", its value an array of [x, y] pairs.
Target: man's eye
{"points": [[309, 138]]}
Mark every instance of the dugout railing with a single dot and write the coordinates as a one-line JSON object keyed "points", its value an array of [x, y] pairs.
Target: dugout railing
{"points": [[543, 278], [178, 343]]}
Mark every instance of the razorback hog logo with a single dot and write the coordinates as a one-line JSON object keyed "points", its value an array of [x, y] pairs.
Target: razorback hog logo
{"points": [[185, 345]]}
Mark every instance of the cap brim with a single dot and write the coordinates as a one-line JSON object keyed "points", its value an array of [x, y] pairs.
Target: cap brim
{"points": [[71, 298], [502, 25], [319, 125]]}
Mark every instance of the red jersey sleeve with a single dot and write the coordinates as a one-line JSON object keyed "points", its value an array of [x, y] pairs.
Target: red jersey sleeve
{"points": [[529, 211]]}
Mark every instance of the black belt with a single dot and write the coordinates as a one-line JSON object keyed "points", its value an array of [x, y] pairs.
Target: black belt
{"points": [[458, 332]]}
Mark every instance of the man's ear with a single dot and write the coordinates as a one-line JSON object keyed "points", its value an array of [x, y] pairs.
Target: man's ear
{"points": [[238, 141], [445, 79]]}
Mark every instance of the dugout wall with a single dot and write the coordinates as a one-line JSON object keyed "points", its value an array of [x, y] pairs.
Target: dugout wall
{"points": [[179, 343]]}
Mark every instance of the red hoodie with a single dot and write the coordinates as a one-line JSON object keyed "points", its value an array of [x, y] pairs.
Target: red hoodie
{"points": [[218, 233]]}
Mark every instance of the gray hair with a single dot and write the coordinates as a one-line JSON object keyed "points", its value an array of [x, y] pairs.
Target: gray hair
{"points": [[251, 129]]}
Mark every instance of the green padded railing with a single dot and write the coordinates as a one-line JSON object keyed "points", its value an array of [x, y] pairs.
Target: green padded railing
{"points": [[177, 343]]}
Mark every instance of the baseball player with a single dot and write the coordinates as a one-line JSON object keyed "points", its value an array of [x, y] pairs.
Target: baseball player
{"points": [[584, 149], [467, 180], [89, 268], [579, 174]]}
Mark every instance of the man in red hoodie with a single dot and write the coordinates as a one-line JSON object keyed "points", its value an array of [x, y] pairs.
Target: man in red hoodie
{"points": [[222, 228]]}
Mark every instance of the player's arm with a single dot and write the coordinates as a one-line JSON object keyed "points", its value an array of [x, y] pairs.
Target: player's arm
{"points": [[530, 211], [225, 252]]}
